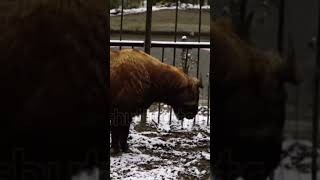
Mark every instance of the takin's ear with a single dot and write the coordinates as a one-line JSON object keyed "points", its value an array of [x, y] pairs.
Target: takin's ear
{"points": [[198, 82]]}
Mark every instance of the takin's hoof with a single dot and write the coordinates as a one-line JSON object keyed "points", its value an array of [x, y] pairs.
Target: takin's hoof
{"points": [[115, 152], [125, 148], [128, 151]]}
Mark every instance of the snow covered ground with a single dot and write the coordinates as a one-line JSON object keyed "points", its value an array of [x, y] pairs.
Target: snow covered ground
{"points": [[296, 163], [164, 151], [173, 151], [182, 6]]}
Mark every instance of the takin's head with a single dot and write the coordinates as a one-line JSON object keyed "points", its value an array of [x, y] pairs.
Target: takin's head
{"points": [[185, 103], [279, 71]]}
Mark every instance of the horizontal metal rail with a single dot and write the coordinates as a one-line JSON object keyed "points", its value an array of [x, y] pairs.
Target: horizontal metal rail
{"points": [[167, 44]]}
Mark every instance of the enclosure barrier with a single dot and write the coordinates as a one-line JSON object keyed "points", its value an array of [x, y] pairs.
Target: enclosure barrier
{"points": [[315, 120], [280, 43], [148, 43], [163, 45]]}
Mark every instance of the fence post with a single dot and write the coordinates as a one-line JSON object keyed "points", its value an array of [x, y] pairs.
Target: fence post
{"points": [[281, 25], [107, 86], [147, 46], [211, 68], [315, 122], [239, 17], [208, 105], [174, 49], [147, 42], [243, 12], [280, 49]]}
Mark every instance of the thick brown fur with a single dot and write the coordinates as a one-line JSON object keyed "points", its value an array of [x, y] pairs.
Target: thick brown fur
{"points": [[53, 99], [249, 105], [137, 80], [238, 61]]}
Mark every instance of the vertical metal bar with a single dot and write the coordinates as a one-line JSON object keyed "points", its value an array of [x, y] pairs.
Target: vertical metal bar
{"points": [[170, 116], [174, 49], [175, 32], [121, 21], [198, 62], [211, 65], [107, 84], [243, 11], [162, 57], [315, 121], [159, 111], [147, 46], [159, 106], [147, 41], [281, 26], [186, 69], [297, 112], [280, 44], [199, 36], [208, 114], [199, 39]]}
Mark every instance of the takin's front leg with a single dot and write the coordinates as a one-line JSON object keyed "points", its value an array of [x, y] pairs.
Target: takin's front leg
{"points": [[124, 138], [124, 133], [115, 127], [119, 133], [115, 140]]}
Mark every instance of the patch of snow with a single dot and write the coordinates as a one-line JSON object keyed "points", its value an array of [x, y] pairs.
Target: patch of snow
{"points": [[172, 152], [93, 175], [166, 151], [206, 155], [182, 6]]}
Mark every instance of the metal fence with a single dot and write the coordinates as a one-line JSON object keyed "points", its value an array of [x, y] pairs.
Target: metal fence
{"points": [[281, 32], [163, 46]]}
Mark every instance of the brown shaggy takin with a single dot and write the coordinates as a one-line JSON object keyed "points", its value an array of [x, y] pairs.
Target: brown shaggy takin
{"points": [[249, 100], [53, 109], [136, 81]]}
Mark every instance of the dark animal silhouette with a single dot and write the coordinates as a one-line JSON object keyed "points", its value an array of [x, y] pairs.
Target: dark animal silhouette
{"points": [[136, 81], [53, 97], [249, 100]]}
